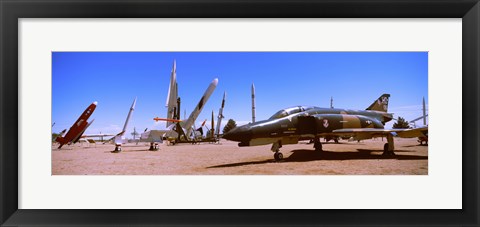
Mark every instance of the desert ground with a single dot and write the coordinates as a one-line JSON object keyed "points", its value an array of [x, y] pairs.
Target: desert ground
{"points": [[226, 158]]}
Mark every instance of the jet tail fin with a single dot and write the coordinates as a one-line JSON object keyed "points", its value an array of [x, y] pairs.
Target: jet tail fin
{"points": [[59, 139], [381, 104]]}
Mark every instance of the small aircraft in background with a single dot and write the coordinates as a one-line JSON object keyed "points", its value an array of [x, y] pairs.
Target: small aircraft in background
{"points": [[78, 128], [290, 125]]}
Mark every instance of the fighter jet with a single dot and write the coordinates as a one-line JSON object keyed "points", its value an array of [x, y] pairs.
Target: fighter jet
{"points": [[290, 125], [78, 128]]}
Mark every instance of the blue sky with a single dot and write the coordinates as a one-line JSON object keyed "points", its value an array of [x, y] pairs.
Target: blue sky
{"points": [[282, 79]]}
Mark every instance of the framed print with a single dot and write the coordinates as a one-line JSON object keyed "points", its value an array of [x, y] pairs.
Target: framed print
{"points": [[118, 61]]}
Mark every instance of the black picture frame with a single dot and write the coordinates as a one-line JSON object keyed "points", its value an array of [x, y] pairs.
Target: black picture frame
{"points": [[11, 11]]}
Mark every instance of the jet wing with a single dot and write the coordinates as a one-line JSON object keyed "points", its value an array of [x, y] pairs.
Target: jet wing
{"points": [[153, 136], [365, 133], [416, 132]]}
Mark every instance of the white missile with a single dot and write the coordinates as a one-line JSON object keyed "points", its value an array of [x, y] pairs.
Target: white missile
{"points": [[119, 138], [129, 115], [253, 103], [220, 115], [198, 109], [172, 95]]}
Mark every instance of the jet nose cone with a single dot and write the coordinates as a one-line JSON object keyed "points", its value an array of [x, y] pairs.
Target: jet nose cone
{"points": [[239, 134]]}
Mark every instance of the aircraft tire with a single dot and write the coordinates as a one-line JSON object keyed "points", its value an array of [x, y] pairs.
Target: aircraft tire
{"points": [[386, 151], [117, 150], [278, 156]]}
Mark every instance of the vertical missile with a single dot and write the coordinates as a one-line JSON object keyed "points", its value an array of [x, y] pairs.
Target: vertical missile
{"points": [[220, 115], [193, 116], [253, 103], [331, 102], [213, 125], [171, 87], [424, 113], [172, 94]]}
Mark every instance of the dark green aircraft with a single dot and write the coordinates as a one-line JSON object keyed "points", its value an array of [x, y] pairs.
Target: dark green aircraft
{"points": [[288, 126]]}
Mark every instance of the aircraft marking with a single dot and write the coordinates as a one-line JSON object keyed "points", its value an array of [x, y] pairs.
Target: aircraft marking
{"points": [[325, 123], [80, 122]]}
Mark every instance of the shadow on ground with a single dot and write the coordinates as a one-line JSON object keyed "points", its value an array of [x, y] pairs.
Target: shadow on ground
{"points": [[418, 145], [311, 155]]}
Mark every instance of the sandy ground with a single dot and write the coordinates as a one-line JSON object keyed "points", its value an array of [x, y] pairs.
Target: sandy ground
{"points": [[346, 158]]}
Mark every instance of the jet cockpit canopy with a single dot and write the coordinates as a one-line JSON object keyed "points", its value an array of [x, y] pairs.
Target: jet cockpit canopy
{"points": [[289, 111]]}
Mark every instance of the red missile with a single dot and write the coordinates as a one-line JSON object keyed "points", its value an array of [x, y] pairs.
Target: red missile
{"points": [[78, 128]]}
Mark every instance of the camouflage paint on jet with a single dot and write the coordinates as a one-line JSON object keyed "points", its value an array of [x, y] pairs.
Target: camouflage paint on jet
{"points": [[290, 125]]}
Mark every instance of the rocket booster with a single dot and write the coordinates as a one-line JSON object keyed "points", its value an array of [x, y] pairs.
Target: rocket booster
{"points": [[253, 103], [220, 115], [193, 116]]}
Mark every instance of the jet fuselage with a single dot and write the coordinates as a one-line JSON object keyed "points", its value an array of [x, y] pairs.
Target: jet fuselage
{"points": [[300, 123]]}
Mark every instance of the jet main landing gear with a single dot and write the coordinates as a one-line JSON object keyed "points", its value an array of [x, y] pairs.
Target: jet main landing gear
{"points": [[153, 147], [317, 145], [118, 149], [276, 148], [388, 147]]}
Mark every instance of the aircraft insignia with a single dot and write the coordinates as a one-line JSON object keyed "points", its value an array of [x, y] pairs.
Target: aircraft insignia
{"points": [[325, 123]]}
